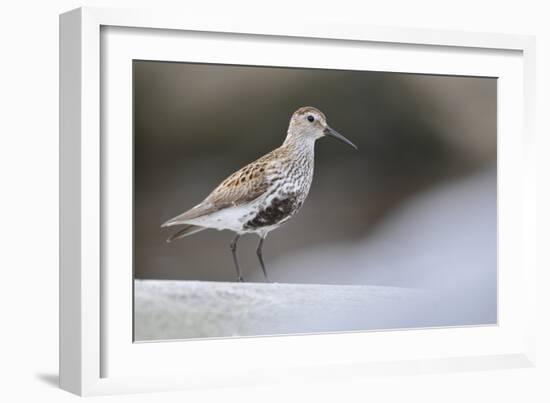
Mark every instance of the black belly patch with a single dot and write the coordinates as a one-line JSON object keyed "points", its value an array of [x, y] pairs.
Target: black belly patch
{"points": [[278, 210]]}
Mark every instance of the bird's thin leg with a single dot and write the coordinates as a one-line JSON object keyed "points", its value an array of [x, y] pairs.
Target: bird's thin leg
{"points": [[233, 247], [260, 258]]}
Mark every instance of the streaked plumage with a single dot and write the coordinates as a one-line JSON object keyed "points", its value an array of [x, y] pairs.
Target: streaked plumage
{"points": [[264, 194]]}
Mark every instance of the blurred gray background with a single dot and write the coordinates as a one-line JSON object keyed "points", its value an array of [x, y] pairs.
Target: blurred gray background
{"points": [[414, 207]]}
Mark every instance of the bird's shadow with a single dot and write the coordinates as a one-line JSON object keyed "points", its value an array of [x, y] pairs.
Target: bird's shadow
{"points": [[49, 379]]}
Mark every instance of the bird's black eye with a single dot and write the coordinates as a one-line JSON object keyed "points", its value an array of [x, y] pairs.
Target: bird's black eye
{"points": [[310, 118]]}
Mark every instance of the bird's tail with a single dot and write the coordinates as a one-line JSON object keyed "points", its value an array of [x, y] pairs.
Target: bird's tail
{"points": [[185, 231]]}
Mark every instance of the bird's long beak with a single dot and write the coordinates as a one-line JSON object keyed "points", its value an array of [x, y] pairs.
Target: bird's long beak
{"points": [[329, 131]]}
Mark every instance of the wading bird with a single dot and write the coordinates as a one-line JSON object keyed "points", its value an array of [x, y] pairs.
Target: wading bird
{"points": [[266, 193]]}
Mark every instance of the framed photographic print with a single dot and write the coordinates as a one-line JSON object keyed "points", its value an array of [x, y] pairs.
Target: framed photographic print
{"points": [[243, 203]]}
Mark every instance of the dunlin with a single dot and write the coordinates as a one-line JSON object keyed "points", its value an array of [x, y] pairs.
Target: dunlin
{"points": [[266, 193]]}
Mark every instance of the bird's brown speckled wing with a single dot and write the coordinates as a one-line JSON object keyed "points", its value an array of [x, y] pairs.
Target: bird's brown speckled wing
{"points": [[241, 187]]}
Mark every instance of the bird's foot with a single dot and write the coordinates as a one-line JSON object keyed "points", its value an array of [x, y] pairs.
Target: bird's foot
{"points": [[240, 279]]}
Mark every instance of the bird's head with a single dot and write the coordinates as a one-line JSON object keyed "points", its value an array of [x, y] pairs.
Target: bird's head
{"points": [[309, 123]]}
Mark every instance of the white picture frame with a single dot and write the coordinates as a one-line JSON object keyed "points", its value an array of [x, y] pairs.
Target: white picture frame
{"points": [[96, 354]]}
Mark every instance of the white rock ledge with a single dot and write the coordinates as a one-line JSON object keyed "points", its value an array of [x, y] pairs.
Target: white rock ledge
{"points": [[194, 309]]}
